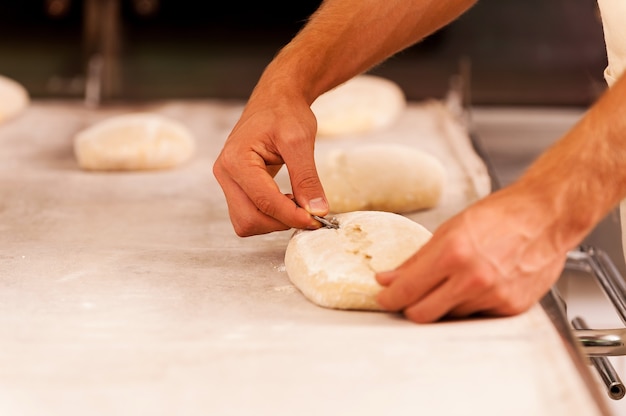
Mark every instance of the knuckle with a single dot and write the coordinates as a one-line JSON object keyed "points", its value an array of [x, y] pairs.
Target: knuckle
{"points": [[297, 134], [515, 309], [264, 205], [230, 160], [306, 179], [243, 232], [218, 170], [295, 137], [244, 227], [512, 305], [475, 282], [459, 251], [482, 280]]}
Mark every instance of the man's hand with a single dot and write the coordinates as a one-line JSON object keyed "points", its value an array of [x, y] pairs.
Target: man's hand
{"points": [[269, 134], [498, 257], [341, 39]]}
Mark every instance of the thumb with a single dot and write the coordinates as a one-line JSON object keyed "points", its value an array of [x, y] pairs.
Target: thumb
{"points": [[307, 187]]}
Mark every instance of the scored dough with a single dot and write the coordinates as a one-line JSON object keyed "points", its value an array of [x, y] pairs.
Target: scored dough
{"points": [[381, 177], [138, 141], [335, 268], [362, 104], [13, 98]]}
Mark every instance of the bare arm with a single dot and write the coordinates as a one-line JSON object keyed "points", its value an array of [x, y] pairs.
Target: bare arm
{"points": [[343, 38], [585, 172], [502, 254]]}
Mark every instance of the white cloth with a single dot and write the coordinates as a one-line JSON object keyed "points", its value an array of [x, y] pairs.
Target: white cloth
{"points": [[613, 13]]}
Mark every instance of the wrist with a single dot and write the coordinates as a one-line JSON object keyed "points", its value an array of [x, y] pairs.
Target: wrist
{"points": [[558, 209], [288, 77]]}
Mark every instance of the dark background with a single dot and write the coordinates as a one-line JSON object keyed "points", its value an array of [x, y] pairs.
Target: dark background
{"points": [[517, 52]]}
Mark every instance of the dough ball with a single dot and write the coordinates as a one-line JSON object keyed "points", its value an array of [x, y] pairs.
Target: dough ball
{"points": [[381, 177], [363, 104], [13, 98], [335, 268], [140, 141]]}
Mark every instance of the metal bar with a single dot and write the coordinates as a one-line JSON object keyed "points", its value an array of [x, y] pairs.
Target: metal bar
{"points": [[93, 82], [553, 307], [102, 45], [613, 272], [599, 342], [614, 386], [608, 277]]}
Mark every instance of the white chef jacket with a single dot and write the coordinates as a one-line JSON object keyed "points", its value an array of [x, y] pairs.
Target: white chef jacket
{"points": [[613, 13]]}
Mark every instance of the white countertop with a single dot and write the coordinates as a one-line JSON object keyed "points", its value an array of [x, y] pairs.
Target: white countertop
{"points": [[129, 293]]}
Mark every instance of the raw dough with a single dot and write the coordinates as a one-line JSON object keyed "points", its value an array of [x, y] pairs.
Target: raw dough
{"points": [[380, 177], [335, 268], [138, 141], [13, 98], [363, 104]]}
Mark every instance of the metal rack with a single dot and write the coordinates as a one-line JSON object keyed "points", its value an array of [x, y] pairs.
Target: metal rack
{"points": [[598, 344]]}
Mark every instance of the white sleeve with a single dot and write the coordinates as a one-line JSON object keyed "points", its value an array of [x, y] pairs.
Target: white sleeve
{"points": [[613, 13]]}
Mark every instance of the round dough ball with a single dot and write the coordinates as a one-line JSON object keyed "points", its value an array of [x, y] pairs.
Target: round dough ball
{"points": [[335, 268], [13, 98], [381, 177], [140, 141], [364, 103]]}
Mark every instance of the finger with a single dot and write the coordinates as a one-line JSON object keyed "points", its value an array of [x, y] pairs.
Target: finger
{"points": [[435, 305], [412, 280], [385, 278], [466, 295], [305, 181], [470, 309], [247, 219], [495, 302], [272, 170], [466, 291], [481, 300], [254, 183]]}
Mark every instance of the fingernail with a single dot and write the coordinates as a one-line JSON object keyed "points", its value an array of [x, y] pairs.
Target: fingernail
{"points": [[314, 226], [384, 278], [318, 206]]}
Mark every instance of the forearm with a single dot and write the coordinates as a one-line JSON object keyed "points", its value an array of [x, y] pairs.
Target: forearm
{"points": [[583, 176], [346, 37]]}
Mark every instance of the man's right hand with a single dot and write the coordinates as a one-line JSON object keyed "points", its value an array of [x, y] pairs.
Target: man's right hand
{"points": [[271, 132]]}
